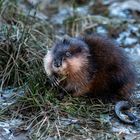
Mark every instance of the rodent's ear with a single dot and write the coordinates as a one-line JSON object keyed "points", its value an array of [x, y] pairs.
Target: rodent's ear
{"points": [[66, 39]]}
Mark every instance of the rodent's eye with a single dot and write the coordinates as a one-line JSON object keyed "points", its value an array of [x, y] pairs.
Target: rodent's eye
{"points": [[68, 54]]}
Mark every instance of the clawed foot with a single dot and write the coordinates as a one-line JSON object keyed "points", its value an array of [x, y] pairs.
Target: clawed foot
{"points": [[60, 96], [54, 80]]}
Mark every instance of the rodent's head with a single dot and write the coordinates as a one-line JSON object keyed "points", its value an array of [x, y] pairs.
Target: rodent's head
{"points": [[69, 55]]}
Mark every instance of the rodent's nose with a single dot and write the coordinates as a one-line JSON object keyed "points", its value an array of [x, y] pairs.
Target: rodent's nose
{"points": [[57, 63]]}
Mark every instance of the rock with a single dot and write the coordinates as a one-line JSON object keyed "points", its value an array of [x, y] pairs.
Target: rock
{"points": [[120, 8]]}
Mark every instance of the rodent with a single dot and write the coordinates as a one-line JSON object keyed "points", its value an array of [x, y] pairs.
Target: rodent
{"points": [[92, 65]]}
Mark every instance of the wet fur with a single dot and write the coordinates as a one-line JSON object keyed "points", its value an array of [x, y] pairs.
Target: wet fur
{"points": [[99, 68]]}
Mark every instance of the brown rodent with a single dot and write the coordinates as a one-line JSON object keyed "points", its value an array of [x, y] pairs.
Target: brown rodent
{"points": [[92, 65]]}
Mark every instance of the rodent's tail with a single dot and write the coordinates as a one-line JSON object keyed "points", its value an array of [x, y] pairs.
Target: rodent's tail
{"points": [[124, 106]]}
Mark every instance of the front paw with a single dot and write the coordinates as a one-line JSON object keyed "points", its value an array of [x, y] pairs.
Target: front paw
{"points": [[60, 96], [54, 80]]}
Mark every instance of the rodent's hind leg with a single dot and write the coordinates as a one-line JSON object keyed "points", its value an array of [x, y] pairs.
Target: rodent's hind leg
{"points": [[125, 92], [78, 93]]}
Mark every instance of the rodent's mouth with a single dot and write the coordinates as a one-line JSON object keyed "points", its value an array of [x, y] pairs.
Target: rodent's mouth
{"points": [[61, 70]]}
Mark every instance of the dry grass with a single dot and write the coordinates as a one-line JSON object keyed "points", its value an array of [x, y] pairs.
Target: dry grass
{"points": [[77, 24], [23, 43]]}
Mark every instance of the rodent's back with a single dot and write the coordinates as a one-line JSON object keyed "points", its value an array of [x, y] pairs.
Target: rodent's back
{"points": [[115, 74]]}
